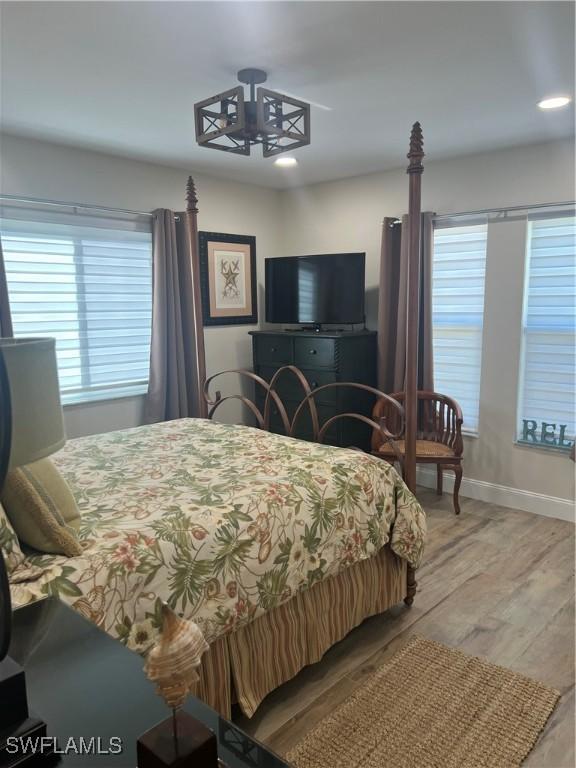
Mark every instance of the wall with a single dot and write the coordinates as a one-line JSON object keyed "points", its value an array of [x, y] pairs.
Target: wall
{"points": [[346, 215], [51, 171], [342, 216]]}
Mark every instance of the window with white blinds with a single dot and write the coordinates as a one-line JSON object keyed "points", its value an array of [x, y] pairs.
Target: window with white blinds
{"points": [[546, 400], [87, 281], [458, 276]]}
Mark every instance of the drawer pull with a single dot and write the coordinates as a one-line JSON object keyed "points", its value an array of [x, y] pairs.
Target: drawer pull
{"points": [[314, 384], [273, 349], [313, 352]]}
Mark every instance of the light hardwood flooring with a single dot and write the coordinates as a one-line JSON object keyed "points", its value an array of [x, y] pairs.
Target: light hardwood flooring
{"points": [[495, 582]]}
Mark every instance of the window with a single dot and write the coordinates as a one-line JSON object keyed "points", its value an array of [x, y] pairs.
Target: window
{"points": [[87, 281], [459, 269], [547, 376]]}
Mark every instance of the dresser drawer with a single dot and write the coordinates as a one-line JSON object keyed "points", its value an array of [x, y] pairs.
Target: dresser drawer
{"points": [[289, 388], [304, 429], [318, 379], [287, 385], [273, 350], [310, 352]]}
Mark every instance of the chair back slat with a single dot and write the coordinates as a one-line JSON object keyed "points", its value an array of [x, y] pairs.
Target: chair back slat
{"points": [[442, 411]]}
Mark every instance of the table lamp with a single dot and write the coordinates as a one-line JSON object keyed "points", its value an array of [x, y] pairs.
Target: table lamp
{"points": [[31, 427]]}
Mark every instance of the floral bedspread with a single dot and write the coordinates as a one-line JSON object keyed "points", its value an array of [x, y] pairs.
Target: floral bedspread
{"points": [[224, 522]]}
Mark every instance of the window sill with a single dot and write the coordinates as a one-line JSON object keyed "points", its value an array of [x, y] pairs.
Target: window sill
{"points": [[83, 399], [542, 447]]}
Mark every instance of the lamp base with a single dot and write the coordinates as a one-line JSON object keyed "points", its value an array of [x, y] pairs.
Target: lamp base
{"points": [[13, 702], [195, 745], [21, 745], [19, 732]]}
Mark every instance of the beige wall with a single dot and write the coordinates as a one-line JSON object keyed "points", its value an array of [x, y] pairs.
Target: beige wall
{"points": [[338, 216], [39, 169], [347, 214]]}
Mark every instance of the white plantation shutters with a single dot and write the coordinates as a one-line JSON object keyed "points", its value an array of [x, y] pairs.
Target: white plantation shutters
{"points": [[458, 276], [547, 376], [87, 281]]}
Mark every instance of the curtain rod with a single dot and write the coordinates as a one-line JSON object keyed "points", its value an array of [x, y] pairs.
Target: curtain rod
{"points": [[437, 217], [511, 208], [84, 206]]}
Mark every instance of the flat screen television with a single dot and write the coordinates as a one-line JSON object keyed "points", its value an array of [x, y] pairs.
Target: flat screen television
{"points": [[326, 289]]}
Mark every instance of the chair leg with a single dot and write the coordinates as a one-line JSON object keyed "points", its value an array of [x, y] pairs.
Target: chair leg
{"points": [[439, 477], [458, 479]]}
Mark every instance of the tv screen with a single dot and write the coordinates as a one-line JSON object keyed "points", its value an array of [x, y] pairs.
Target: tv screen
{"points": [[315, 289]]}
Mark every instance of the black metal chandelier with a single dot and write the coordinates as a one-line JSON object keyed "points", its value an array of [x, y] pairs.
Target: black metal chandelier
{"points": [[232, 124]]}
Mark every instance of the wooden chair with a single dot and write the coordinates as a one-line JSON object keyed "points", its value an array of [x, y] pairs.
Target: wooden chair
{"points": [[438, 437]]}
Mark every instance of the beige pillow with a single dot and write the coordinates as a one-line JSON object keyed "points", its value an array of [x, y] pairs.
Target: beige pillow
{"points": [[9, 544], [42, 509]]}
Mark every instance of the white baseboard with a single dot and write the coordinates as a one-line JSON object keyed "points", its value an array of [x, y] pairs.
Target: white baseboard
{"points": [[538, 503]]}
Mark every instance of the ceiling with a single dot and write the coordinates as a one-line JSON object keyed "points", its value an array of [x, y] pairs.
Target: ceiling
{"points": [[123, 77]]}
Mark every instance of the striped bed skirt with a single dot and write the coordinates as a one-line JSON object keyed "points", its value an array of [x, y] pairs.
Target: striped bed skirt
{"points": [[246, 665]]}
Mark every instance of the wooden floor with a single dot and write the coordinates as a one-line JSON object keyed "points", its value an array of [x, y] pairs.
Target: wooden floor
{"points": [[495, 583]]}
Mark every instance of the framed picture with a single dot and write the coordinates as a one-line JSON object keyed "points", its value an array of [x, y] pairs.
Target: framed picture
{"points": [[228, 279]]}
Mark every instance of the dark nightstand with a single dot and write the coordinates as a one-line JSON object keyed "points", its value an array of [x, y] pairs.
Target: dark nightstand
{"points": [[84, 683]]}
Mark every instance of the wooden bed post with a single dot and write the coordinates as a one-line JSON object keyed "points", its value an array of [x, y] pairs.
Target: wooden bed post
{"points": [[191, 229], [414, 171]]}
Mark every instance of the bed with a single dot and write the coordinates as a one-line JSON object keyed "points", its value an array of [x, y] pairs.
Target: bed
{"points": [[230, 525], [275, 547]]}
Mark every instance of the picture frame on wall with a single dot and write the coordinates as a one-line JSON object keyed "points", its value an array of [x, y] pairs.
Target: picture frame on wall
{"points": [[228, 279]]}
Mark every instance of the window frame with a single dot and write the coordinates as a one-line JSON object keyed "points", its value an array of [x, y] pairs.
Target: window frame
{"points": [[448, 224], [518, 441], [35, 214]]}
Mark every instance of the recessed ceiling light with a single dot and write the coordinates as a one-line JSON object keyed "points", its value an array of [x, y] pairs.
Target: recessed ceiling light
{"points": [[554, 102], [286, 162]]}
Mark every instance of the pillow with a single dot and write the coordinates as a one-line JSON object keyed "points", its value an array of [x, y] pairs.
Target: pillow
{"points": [[42, 509], [9, 544]]}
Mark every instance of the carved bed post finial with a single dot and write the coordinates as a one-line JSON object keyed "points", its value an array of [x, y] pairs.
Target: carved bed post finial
{"points": [[190, 220], [414, 171], [191, 197], [416, 152]]}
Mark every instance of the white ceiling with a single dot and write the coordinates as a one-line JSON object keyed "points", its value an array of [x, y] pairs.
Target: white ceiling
{"points": [[122, 77]]}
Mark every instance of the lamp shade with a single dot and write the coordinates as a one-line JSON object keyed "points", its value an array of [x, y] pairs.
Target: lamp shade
{"points": [[37, 427]]}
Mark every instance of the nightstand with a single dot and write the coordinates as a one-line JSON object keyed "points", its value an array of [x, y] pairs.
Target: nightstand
{"points": [[84, 683]]}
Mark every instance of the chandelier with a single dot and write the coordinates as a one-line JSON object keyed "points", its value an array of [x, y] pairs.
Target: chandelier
{"points": [[232, 124]]}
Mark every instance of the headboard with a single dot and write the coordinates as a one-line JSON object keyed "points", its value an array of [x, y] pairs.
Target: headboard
{"points": [[308, 403]]}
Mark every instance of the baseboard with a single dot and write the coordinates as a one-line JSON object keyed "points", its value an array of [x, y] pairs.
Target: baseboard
{"points": [[538, 503]]}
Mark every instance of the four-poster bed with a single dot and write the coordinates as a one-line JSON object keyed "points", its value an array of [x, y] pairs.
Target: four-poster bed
{"points": [[409, 418], [277, 548]]}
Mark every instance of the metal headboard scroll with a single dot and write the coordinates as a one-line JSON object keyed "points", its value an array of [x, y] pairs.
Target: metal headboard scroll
{"points": [[380, 425], [308, 401], [272, 396]]}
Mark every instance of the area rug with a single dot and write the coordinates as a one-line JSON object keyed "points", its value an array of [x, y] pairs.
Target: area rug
{"points": [[431, 706]]}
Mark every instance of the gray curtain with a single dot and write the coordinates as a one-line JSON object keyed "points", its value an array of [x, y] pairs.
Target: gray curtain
{"points": [[392, 306], [173, 390], [5, 317]]}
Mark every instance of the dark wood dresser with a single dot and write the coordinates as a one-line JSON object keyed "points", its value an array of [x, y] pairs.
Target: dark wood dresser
{"points": [[324, 358]]}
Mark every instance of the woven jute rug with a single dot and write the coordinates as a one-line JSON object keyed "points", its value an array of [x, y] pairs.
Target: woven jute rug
{"points": [[431, 707]]}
